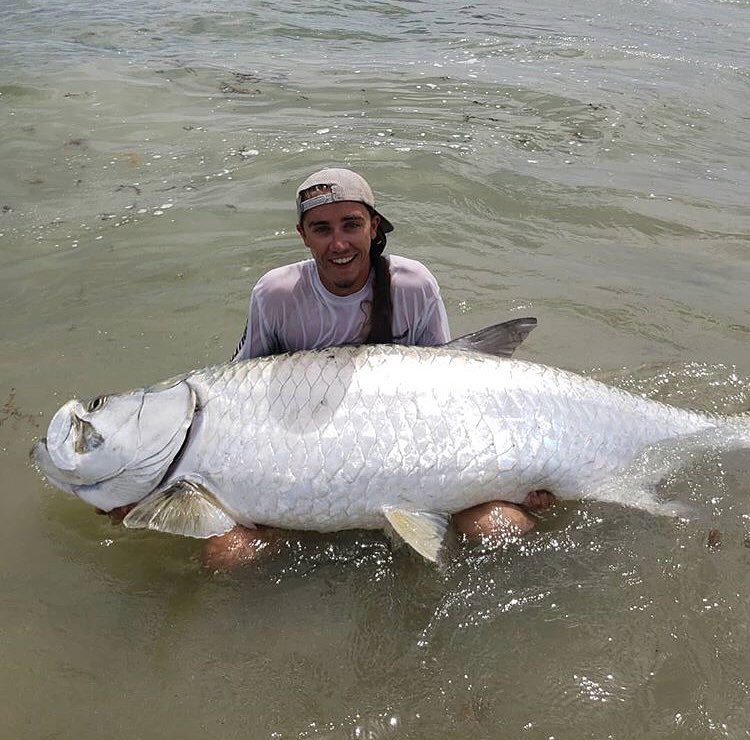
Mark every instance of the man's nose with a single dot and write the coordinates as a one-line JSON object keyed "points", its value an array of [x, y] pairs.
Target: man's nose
{"points": [[339, 240]]}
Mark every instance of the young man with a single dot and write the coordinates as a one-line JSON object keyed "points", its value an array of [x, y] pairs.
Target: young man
{"points": [[348, 293]]}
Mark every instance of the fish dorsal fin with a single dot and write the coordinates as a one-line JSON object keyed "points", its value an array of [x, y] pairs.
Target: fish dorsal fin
{"points": [[500, 339], [184, 508], [423, 530]]}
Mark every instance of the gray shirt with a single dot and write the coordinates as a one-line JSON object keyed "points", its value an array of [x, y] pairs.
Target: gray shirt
{"points": [[290, 310]]}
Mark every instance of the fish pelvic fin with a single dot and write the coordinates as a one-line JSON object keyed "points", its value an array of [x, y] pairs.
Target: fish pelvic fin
{"points": [[424, 531], [500, 340], [184, 508]]}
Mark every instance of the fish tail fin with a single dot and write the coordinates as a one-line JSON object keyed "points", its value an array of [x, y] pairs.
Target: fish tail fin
{"points": [[737, 429], [727, 433], [638, 491], [676, 509]]}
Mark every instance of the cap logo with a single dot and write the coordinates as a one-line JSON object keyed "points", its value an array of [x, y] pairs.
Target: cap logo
{"points": [[315, 196]]}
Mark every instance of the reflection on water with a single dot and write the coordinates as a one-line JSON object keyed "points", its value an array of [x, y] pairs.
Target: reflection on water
{"points": [[584, 165]]}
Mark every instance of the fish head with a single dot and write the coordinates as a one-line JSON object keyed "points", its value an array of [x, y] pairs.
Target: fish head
{"points": [[114, 450]]}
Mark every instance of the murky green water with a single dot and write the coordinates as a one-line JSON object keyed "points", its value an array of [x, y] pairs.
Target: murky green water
{"points": [[583, 163]]}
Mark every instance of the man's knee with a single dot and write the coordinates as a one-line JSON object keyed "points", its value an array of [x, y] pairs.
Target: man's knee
{"points": [[238, 547], [493, 519]]}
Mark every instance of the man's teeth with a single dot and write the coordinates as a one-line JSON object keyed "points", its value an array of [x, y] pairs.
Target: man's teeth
{"points": [[342, 260]]}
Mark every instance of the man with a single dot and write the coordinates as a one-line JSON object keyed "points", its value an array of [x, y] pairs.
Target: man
{"points": [[348, 293]]}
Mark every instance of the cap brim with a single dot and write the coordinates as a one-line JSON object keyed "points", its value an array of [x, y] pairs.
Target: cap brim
{"points": [[385, 224]]}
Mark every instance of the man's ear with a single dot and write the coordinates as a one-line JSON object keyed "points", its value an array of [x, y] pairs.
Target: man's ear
{"points": [[301, 232], [374, 223]]}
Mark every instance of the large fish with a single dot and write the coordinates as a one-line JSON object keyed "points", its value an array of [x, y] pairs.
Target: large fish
{"points": [[363, 437]]}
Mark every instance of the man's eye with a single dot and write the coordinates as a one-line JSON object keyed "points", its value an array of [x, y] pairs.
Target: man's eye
{"points": [[96, 403]]}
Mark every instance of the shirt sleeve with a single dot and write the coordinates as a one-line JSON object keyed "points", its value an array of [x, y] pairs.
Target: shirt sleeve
{"points": [[435, 329], [419, 313], [258, 339]]}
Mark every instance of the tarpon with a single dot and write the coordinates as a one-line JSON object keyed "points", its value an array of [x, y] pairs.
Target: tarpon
{"points": [[366, 437]]}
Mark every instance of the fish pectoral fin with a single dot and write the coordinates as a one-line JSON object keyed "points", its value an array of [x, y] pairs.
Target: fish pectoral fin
{"points": [[423, 530], [184, 508]]}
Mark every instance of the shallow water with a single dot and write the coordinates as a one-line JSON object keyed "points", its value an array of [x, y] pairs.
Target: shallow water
{"points": [[584, 164]]}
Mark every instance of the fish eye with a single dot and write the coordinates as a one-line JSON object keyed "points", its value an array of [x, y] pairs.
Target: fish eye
{"points": [[96, 403]]}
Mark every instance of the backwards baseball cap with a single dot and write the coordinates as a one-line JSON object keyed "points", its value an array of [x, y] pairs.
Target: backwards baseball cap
{"points": [[335, 184]]}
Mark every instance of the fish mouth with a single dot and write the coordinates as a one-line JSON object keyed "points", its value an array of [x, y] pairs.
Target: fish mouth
{"points": [[65, 423], [43, 462], [86, 437], [65, 480]]}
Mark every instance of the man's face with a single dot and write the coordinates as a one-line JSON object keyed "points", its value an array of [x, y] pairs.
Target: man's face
{"points": [[339, 236]]}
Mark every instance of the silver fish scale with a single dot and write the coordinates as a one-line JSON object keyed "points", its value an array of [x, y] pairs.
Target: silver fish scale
{"points": [[323, 440]]}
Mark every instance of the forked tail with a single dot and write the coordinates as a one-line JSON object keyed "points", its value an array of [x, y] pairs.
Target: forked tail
{"points": [[637, 486], [737, 431]]}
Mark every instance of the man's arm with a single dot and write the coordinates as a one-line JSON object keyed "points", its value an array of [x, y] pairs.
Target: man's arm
{"points": [[258, 340], [435, 329], [417, 304]]}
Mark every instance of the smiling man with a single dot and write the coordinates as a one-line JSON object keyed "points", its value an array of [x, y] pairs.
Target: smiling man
{"points": [[349, 293]]}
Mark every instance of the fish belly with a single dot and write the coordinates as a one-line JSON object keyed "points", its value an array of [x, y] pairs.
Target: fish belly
{"points": [[324, 440]]}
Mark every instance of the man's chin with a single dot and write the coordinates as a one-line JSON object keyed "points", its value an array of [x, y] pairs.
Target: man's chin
{"points": [[344, 284]]}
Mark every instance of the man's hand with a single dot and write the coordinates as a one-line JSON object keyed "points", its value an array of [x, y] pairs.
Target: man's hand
{"points": [[539, 501], [501, 518], [117, 514], [239, 546]]}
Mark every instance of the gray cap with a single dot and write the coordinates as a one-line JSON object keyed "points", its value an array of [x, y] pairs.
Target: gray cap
{"points": [[337, 184]]}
